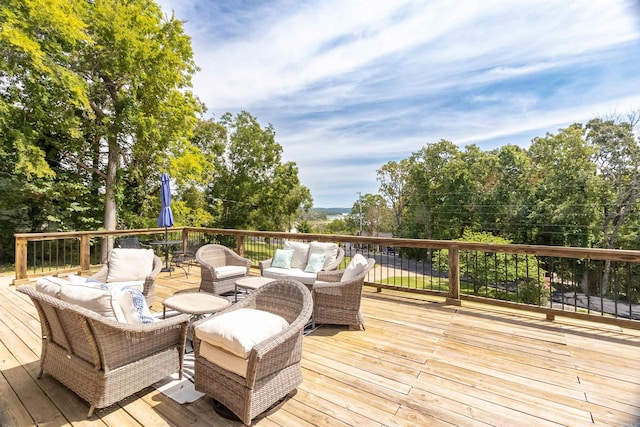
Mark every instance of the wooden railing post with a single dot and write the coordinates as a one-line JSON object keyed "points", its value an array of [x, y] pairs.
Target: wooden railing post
{"points": [[240, 244], [185, 239], [85, 253], [454, 276], [21, 258]]}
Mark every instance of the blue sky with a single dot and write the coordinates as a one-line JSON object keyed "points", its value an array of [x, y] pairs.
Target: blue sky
{"points": [[350, 85]]}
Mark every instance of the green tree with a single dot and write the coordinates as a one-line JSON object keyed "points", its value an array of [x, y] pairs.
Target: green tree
{"points": [[393, 178], [376, 215], [100, 90], [564, 189], [508, 195], [252, 188]]}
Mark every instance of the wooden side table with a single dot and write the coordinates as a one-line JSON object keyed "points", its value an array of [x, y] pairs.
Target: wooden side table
{"points": [[197, 304], [194, 303], [250, 283]]}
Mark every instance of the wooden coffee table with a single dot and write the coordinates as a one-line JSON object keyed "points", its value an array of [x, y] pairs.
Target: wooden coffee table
{"points": [[250, 283]]}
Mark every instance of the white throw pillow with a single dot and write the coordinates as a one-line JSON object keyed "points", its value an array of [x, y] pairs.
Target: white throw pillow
{"points": [[238, 331], [127, 265], [356, 266], [300, 253], [330, 251], [134, 306]]}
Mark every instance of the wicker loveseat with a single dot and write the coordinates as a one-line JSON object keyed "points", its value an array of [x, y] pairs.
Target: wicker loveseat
{"points": [[269, 368], [300, 263], [102, 360]]}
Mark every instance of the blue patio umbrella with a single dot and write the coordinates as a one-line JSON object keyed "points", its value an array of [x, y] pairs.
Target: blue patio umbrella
{"points": [[165, 219]]}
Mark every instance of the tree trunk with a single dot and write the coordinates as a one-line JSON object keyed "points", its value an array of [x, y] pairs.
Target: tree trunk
{"points": [[110, 208]]}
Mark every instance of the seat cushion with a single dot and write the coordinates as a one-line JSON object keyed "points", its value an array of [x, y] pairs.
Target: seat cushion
{"points": [[300, 253], [238, 331], [129, 264], [291, 273], [356, 266], [229, 271], [224, 359]]}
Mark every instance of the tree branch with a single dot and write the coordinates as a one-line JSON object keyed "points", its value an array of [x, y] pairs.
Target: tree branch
{"points": [[84, 166]]}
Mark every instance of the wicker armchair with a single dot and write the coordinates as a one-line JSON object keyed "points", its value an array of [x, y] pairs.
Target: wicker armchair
{"points": [[273, 369], [336, 302], [149, 281], [101, 360], [219, 268]]}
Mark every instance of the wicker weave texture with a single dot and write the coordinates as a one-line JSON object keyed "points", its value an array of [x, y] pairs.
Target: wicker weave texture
{"points": [[336, 302], [211, 256], [274, 364], [101, 360]]}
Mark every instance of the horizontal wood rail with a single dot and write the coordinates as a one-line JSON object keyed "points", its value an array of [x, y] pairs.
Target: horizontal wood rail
{"points": [[85, 248]]}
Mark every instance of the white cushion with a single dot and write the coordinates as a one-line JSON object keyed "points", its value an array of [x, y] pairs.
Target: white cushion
{"points": [[129, 264], [238, 331], [300, 253], [138, 285], [330, 251], [102, 301], [134, 307], [356, 266], [122, 302], [230, 271], [224, 359], [50, 285], [292, 273], [282, 258]]}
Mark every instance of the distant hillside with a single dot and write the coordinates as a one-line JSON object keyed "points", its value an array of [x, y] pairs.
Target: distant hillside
{"points": [[332, 211]]}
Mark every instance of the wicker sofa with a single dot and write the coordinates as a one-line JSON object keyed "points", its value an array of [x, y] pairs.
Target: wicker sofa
{"points": [[301, 258], [269, 369], [102, 360]]}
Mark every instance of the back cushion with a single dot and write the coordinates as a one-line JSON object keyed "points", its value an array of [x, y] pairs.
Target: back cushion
{"points": [[330, 251], [129, 264], [356, 266], [102, 301], [300, 253], [121, 303], [50, 285]]}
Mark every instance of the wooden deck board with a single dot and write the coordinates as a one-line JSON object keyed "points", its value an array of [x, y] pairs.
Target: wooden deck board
{"points": [[419, 362]]}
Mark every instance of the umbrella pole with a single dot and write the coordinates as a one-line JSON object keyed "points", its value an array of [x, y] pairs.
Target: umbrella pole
{"points": [[166, 250]]}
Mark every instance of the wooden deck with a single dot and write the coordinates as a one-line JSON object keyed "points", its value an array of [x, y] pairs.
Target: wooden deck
{"points": [[419, 362]]}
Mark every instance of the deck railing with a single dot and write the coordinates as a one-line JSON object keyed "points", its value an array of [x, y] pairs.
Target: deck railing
{"points": [[595, 284]]}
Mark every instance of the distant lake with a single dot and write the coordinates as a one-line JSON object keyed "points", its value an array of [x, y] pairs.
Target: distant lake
{"points": [[337, 216]]}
